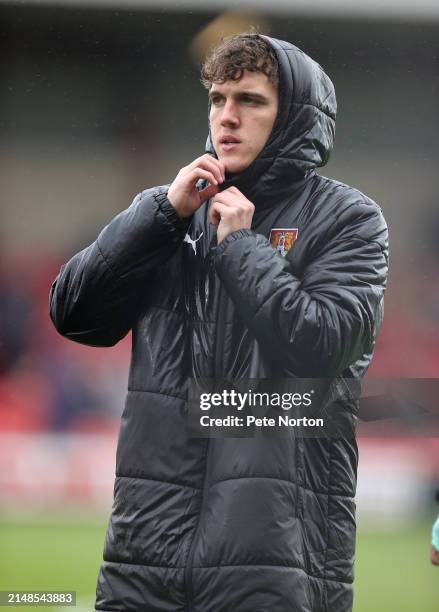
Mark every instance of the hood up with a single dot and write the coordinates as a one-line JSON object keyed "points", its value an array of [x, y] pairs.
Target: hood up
{"points": [[302, 135]]}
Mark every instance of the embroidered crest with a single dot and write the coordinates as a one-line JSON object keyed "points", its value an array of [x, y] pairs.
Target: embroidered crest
{"points": [[282, 239]]}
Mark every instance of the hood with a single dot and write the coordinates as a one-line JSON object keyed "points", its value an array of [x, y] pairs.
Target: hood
{"points": [[303, 132]]}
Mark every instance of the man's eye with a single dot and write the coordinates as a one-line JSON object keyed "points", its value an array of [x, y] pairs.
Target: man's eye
{"points": [[250, 100], [215, 100]]}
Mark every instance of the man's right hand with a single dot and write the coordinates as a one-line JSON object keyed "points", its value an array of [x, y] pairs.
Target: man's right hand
{"points": [[183, 194]]}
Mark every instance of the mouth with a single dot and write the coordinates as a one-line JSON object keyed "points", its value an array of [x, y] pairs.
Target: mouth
{"points": [[229, 146], [229, 143]]}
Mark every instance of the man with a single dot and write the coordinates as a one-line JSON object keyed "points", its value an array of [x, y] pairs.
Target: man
{"points": [[234, 524]]}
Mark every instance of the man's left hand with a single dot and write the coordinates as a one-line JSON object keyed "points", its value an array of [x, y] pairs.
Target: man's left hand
{"points": [[230, 211]]}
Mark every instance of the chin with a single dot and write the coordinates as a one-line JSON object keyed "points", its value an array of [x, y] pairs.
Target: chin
{"points": [[234, 167]]}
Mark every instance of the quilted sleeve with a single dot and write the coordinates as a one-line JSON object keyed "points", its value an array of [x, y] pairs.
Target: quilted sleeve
{"points": [[319, 324], [95, 296]]}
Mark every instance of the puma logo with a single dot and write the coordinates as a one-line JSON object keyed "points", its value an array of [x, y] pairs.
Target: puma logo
{"points": [[192, 242]]}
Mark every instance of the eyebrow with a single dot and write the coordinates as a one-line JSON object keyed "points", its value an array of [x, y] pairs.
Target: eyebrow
{"points": [[239, 94]]}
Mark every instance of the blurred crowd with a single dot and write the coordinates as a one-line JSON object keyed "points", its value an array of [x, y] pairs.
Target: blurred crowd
{"points": [[46, 382]]}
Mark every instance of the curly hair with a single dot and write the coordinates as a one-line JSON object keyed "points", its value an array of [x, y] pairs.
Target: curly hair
{"points": [[234, 54]]}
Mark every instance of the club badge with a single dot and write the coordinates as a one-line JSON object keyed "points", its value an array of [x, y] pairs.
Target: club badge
{"points": [[282, 239]]}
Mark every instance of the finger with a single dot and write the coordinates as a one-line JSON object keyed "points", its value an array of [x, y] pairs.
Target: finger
{"points": [[213, 216], [208, 192], [233, 197], [216, 212], [235, 190], [207, 162], [232, 200], [199, 173], [221, 166]]}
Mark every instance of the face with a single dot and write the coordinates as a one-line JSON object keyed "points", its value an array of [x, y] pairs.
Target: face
{"points": [[241, 117]]}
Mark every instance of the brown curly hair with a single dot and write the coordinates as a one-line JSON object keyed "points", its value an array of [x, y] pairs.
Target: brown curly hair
{"points": [[234, 54]]}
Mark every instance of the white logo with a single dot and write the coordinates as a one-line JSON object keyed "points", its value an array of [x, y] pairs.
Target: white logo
{"points": [[192, 242]]}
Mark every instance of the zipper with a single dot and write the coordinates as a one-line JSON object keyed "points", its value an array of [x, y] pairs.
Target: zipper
{"points": [[188, 569], [216, 372]]}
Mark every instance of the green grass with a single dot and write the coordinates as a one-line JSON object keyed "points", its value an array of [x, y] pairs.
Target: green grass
{"points": [[393, 572], [52, 556]]}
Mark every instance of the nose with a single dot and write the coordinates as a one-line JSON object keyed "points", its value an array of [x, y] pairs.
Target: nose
{"points": [[229, 114]]}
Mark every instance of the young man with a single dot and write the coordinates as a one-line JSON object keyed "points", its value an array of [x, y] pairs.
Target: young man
{"points": [[264, 269]]}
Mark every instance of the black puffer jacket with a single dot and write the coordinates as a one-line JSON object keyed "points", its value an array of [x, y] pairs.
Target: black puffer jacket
{"points": [[234, 525]]}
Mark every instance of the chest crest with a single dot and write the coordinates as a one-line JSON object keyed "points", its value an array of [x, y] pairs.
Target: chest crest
{"points": [[283, 238]]}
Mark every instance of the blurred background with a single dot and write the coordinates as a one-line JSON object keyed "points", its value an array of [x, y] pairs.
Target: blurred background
{"points": [[101, 99]]}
